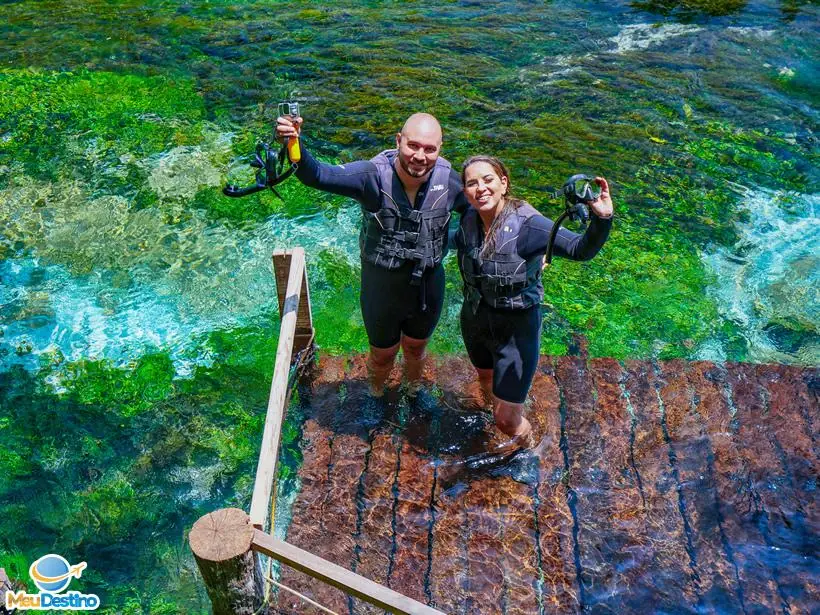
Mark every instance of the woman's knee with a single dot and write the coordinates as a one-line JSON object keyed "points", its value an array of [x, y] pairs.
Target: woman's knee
{"points": [[382, 357], [413, 347]]}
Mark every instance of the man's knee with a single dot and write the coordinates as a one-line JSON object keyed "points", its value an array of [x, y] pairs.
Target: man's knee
{"points": [[507, 415], [484, 375]]}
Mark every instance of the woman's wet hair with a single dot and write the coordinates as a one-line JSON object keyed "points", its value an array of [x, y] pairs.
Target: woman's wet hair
{"points": [[510, 202]]}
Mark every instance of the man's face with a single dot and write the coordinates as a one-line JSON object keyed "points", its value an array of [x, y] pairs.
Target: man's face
{"points": [[418, 150]]}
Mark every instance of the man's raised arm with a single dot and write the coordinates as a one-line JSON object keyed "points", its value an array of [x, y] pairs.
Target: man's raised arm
{"points": [[357, 180]]}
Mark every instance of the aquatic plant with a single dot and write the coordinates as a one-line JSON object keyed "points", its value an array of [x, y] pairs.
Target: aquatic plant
{"points": [[689, 9]]}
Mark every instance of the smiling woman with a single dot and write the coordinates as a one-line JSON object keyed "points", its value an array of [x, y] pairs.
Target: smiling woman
{"points": [[501, 245]]}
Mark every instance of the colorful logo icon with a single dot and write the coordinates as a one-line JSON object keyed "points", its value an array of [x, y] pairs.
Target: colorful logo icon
{"points": [[52, 573]]}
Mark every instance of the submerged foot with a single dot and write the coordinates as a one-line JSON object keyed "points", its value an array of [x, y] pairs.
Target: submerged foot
{"points": [[502, 443], [412, 388], [376, 392]]}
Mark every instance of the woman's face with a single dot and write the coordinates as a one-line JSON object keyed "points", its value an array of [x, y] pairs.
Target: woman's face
{"points": [[484, 187]]}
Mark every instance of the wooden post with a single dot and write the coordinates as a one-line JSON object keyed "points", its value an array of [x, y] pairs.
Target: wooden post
{"points": [[282, 260], [221, 543]]}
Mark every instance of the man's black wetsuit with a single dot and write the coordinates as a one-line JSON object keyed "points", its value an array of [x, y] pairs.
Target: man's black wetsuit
{"points": [[508, 340], [391, 305]]}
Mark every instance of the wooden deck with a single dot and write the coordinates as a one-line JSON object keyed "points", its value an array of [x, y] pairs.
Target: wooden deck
{"points": [[673, 487]]}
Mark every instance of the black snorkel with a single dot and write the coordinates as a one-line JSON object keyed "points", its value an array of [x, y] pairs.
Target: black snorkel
{"points": [[579, 191], [272, 166]]}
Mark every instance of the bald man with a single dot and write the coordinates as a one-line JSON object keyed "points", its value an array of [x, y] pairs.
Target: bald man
{"points": [[407, 195]]}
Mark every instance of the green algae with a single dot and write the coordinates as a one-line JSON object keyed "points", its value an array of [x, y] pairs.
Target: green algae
{"points": [[688, 9], [138, 458], [46, 115], [336, 311], [129, 439], [734, 154]]}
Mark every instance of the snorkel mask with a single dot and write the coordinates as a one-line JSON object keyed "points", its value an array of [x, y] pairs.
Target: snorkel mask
{"points": [[273, 167], [579, 191]]}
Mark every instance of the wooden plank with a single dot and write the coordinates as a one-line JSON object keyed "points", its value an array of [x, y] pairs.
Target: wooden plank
{"points": [[590, 480], [557, 588], [795, 532], [448, 574], [502, 565], [772, 501], [519, 559], [485, 574], [717, 583], [306, 530], [339, 577], [269, 450], [338, 518], [460, 425], [669, 580], [375, 543], [624, 541], [743, 542], [281, 271], [413, 519]]}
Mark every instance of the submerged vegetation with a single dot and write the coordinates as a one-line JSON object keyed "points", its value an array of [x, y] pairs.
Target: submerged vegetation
{"points": [[129, 456], [137, 309]]}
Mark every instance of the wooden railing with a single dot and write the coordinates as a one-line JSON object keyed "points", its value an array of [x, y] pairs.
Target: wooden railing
{"points": [[295, 333], [225, 542]]}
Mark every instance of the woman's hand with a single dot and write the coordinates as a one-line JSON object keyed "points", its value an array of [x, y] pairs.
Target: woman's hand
{"points": [[287, 127], [602, 206]]}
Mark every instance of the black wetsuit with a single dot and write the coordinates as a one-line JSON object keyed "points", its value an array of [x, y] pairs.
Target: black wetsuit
{"points": [[508, 340], [391, 305]]}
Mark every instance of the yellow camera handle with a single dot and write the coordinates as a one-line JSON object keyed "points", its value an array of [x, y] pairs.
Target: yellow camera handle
{"points": [[292, 109], [294, 151]]}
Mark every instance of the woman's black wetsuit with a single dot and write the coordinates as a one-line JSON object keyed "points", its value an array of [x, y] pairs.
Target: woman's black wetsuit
{"points": [[391, 304], [508, 340]]}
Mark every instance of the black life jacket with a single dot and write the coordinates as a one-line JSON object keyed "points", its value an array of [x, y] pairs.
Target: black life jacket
{"points": [[396, 235], [503, 280]]}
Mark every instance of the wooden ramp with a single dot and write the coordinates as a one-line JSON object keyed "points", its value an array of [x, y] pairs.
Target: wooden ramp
{"points": [[672, 487]]}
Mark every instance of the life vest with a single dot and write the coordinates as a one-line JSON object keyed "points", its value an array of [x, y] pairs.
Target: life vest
{"points": [[503, 280], [395, 235]]}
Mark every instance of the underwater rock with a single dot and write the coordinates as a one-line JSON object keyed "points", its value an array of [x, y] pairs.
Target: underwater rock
{"points": [[8, 586], [644, 35], [181, 172], [768, 282]]}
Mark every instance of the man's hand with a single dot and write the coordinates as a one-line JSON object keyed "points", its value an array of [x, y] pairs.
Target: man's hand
{"points": [[602, 206], [287, 127]]}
